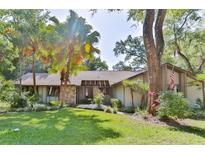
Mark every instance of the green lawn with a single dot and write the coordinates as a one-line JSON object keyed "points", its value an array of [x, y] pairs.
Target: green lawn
{"points": [[78, 126]]}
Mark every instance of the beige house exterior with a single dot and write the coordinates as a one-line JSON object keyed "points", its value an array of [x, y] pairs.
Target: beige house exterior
{"points": [[183, 80], [87, 83]]}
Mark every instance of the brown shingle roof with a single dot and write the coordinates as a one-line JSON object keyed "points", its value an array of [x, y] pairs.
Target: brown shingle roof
{"points": [[54, 79]]}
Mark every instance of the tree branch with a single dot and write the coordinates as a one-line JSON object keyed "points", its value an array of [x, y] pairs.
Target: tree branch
{"points": [[201, 65], [181, 54], [185, 20], [148, 30], [159, 38]]}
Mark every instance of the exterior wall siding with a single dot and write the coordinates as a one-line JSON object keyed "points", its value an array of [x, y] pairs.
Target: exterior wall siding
{"points": [[124, 94], [70, 94], [117, 92], [42, 91], [193, 91]]}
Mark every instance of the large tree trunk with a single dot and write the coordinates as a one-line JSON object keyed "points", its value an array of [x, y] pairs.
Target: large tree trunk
{"points": [[34, 73], [153, 53], [203, 92], [62, 88], [142, 105]]}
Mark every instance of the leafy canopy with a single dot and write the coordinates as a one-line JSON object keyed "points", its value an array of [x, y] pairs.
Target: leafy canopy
{"points": [[70, 44], [133, 50]]}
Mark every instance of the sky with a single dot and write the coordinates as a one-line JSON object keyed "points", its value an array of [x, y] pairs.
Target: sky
{"points": [[112, 27]]}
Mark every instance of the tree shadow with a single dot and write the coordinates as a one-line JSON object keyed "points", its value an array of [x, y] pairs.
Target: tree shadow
{"points": [[65, 126], [177, 126]]}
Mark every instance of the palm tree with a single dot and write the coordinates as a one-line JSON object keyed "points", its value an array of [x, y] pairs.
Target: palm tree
{"points": [[138, 85], [30, 25], [132, 86], [73, 43]]}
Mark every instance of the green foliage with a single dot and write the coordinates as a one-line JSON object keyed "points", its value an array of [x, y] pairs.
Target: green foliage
{"points": [[85, 101], [184, 33], [134, 51], [98, 98], [12, 95], [121, 66], [116, 103], [137, 85], [96, 64], [20, 100], [54, 103], [136, 15], [80, 37], [201, 76], [200, 103], [7, 90], [4, 106], [173, 104], [109, 109], [115, 110], [128, 109], [39, 107], [33, 99], [130, 84], [140, 111]]}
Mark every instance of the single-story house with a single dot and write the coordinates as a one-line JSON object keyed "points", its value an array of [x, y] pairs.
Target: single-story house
{"points": [[85, 84]]}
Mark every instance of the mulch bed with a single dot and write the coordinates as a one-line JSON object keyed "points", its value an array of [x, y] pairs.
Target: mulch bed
{"points": [[166, 121], [93, 106]]}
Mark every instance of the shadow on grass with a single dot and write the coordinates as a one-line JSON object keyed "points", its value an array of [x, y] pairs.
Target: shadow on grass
{"points": [[184, 128], [66, 126]]}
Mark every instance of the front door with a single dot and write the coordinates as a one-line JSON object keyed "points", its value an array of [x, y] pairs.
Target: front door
{"points": [[88, 92]]}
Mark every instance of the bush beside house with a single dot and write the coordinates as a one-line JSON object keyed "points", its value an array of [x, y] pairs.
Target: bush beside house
{"points": [[173, 104]]}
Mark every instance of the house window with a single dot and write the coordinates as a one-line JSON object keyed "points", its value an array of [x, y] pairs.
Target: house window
{"points": [[105, 90], [53, 91]]}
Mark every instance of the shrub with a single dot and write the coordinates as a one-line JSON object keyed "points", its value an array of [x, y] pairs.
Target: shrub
{"points": [[109, 110], [27, 109], [128, 109], [116, 103], [39, 107], [4, 106], [115, 110], [200, 103], [19, 100], [54, 103], [7, 90], [33, 99], [173, 104], [85, 101], [141, 111], [17, 109], [98, 98], [106, 100]]}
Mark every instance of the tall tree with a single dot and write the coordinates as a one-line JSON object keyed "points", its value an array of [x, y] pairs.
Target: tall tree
{"points": [[133, 50], [72, 44], [29, 25], [121, 66], [96, 64], [154, 47], [184, 36], [7, 50]]}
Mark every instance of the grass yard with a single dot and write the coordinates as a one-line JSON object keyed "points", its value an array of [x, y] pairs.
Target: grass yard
{"points": [[79, 126]]}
